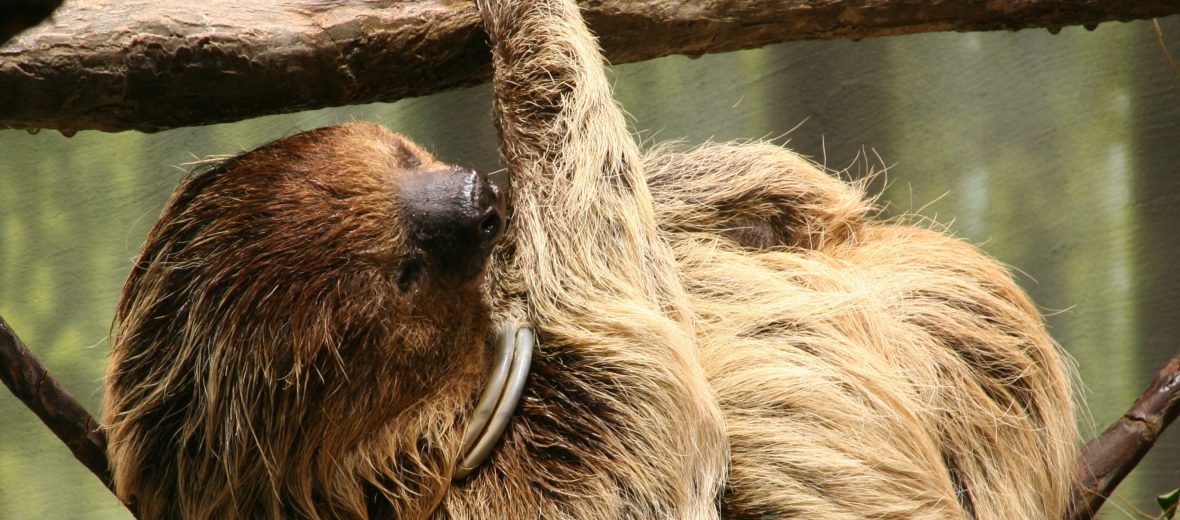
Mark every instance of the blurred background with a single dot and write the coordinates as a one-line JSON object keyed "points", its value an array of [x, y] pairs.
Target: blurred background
{"points": [[1058, 154]]}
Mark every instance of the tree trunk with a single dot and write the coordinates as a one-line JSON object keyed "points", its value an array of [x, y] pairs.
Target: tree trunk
{"points": [[154, 65]]}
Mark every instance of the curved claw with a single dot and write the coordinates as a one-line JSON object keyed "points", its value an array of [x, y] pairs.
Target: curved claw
{"points": [[510, 369]]}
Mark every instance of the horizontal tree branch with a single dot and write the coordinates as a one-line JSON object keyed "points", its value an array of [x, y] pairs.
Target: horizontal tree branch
{"points": [[1108, 458], [153, 65]]}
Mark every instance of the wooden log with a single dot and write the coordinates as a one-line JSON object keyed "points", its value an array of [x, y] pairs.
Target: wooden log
{"points": [[153, 65]]}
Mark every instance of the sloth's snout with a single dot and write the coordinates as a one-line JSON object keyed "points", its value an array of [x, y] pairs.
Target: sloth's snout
{"points": [[455, 216]]}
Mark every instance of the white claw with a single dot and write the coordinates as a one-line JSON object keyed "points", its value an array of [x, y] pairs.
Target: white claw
{"points": [[510, 369]]}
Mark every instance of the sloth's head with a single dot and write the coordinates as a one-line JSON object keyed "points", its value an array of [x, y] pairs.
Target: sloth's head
{"points": [[314, 287]]}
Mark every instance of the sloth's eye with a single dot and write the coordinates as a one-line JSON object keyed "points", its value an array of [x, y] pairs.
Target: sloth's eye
{"points": [[489, 227], [411, 272]]}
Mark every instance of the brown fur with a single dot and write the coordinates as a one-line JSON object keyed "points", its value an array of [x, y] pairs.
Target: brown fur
{"points": [[729, 308], [264, 350]]}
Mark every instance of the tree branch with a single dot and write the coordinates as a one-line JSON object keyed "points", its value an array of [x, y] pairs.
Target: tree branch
{"points": [[1102, 464], [153, 65], [28, 379], [1108, 458]]}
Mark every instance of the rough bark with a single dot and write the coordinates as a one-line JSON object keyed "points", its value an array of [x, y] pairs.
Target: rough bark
{"points": [[152, 65], [1108, 458]]}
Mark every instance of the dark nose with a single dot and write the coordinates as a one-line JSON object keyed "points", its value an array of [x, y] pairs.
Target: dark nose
{"points": [[455, 216]]}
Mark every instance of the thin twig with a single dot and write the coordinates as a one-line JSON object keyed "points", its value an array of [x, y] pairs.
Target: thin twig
{"points": [[28, 379], [1159, 36]]}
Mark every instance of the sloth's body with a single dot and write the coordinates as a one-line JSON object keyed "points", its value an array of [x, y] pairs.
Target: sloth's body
{"points": [[865, 369], [723, 331]]}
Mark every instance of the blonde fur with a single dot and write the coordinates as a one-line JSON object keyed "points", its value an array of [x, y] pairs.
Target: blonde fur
{"points": [[864, 370], [724, 331]]}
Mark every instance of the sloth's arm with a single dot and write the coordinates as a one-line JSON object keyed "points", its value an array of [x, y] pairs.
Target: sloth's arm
{"points": [[583, 219], [600, 287]]}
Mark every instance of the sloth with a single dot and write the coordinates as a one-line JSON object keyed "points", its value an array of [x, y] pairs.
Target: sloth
{"points": [[338, 325]]}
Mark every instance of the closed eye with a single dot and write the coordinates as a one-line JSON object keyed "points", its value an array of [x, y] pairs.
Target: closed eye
{"points": [[411, 273]]}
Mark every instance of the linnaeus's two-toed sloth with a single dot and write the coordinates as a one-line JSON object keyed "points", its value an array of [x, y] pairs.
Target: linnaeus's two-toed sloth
{"points": [[723, 331]]}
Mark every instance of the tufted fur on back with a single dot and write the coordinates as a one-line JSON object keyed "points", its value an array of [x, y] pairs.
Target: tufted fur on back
{"points": [[866, 369]]}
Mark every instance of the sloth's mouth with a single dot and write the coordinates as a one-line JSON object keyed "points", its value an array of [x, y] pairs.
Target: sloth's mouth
{"points": [[510, 369]]}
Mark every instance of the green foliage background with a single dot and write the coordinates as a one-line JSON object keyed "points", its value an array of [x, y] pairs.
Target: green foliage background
{"points": [[1060, 155]]}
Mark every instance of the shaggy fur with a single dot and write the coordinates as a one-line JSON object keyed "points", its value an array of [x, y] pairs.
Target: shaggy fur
{"points": [[722, 332], [270, 349], [866, 369]]}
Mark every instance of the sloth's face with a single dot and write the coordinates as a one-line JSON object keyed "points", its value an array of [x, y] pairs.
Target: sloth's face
{"points": [[451, 216], [348, 200], [381, 202], [344, 255]]}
